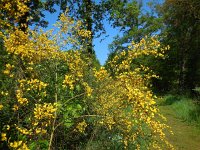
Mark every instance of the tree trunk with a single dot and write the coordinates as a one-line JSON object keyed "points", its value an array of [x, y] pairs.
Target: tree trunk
{"points": [[89, 22], [182, 74]]}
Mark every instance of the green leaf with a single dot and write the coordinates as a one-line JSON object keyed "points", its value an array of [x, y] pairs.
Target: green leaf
{"points": [[71, 93], [78, 88], [32, 146], [79, 107]]}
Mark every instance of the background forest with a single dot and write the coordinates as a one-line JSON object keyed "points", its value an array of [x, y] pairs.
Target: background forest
{"points": [[54, 94]]}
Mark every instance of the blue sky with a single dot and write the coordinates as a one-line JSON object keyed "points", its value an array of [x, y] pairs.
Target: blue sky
{"points": [[100, 47]]}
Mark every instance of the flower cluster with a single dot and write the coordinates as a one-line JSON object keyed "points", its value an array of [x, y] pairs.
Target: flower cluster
{"points": [[24, 131], [81, 126], [36, 48], [43, 117], [76, 72], [88, 89], [20, 99], [146, 47], [44, 111], [8, 69], [84, 33], [69, 81], [101, 74], [12, 8], [18, 145], [3, 137], [72, 32], [32, 84]]}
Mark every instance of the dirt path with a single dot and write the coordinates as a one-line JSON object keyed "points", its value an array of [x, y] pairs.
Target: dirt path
{"points": [[186, 137]]}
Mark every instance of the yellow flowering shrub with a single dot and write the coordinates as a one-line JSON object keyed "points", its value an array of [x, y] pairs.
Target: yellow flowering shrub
{"points": [[126, 104], [30, 94], [51, 97]]}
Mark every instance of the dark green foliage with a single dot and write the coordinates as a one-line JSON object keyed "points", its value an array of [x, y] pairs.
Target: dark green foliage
{"points": [[170, 99], [133, 21], [181, 32], [178, 24]]}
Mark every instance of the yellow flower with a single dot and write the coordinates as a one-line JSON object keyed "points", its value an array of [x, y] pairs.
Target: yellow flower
{"points": [[45, 111], [15, 144], [11, 75], [7, 72], [9, 66], [7, 127], [40, 130], [24, 130], [3, 137], [15, 107], [1, 106], [69, 81], [20, 99], [81, 126], [24, 147], [88, 89]]}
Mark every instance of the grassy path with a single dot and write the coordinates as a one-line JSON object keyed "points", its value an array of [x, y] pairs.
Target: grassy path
{"points": [[186, 137]]}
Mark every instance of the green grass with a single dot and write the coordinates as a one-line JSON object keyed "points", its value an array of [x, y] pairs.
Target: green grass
{"points": [[183, 108], [186, 137], [187, 111], [183, 117], [169, 99]]}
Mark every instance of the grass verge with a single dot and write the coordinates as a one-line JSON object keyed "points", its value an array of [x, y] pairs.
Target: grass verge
{"points": [[183, 108]]}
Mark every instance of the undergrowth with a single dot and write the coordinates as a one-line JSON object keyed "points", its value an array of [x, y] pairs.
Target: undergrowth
{"points": [[184, 108]]}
